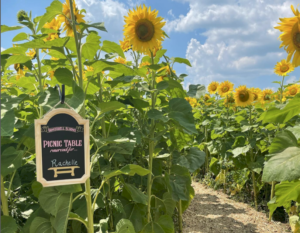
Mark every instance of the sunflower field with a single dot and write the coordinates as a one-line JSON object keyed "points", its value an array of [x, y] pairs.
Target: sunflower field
{"points": [[149, 137]]}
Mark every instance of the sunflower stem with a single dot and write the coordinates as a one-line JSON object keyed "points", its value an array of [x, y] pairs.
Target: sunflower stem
{"points": [[4, 199], [281, 89], [180, 216]]}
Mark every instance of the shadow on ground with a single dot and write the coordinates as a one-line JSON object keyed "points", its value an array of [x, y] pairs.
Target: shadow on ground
{"points": [[207, 214]]}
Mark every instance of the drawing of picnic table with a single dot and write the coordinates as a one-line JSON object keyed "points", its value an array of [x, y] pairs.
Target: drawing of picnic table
{"points": [[63, 170]]}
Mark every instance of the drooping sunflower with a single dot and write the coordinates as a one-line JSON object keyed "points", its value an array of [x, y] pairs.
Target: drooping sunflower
{"points": [[225, 88], [213, 87], [290, 37], [283, 67], [266, 96], [55, 25], [66, 16], [143, 29], [243, 96], [20, 70], [125, 45], [256, 92], [120, 60], [159, 79], [293, 89], [31, 53], [229, 100]]}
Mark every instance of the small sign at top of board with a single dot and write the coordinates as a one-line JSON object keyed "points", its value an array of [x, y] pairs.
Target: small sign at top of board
{"points": [[62, 148]]}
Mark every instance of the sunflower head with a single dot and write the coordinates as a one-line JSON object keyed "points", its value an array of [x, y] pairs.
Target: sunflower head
{"points": [[206, 98], [213, 87], [144, 64], [66, 18], [225, 88], [143, 29], [256, 92], [125, 45], [283, 67], [20, 70], [31, 54], [120, 60], [54, 24], [167, 69], [293, 89], [22, 15], [192, 101], [51, 73], [266, 96], [243, 96], [290, 36], [229, 100]]}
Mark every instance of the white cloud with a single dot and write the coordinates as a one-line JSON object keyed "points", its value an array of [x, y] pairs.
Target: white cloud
{"points": [[241, 42], [291, 79], [170, 12], [2, 49]]}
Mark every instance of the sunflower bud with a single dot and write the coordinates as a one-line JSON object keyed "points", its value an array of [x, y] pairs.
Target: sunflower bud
{"points": [[22, 15]]}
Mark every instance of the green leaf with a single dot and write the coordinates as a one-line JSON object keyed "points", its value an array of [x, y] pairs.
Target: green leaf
{"points": [[11, 160], [77, 99], [114, 66], [99, 26], [48, 199], [62, 207], [15, 51], [166, 223], [156, 115], [196, 91], [64, 76], [136, 195], [103, 225], [91, 46], [110, 106], [295, 130], [285, 192], [15, 59], [130, 170], [7, 122], [122, 79], [8, 224], [214, 166], [124, 226], [192, 161], [240, 150], [158, 55], [283, 166], [179, 105], [5, 28], [36, 188], [162, 85], [283, 140], [112, 47], [169, 204], [20, 36], [53, 10], [279, 116], [51, 44], [40, 224], [182, 60], [152, 227], [71, 188], [185, 120]]}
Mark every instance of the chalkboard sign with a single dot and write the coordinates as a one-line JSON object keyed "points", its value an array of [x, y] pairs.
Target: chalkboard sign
{"points": [[62, 148]]}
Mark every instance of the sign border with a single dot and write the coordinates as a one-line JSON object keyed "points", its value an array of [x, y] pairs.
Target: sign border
{"points": [[38, 148]]}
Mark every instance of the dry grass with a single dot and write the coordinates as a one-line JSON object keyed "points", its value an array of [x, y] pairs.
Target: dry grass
{"points": [[212, 211]]}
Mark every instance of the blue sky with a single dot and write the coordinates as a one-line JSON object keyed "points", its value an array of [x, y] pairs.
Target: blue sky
{"points": [[223, 39]]}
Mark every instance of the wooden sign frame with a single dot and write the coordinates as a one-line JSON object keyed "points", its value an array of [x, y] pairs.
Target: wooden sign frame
{"points": [[38, 149]]}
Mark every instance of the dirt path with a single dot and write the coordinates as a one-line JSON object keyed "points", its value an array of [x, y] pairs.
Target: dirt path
{"points": [[212, 211]]}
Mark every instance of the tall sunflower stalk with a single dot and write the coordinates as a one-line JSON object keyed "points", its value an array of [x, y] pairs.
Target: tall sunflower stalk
{"points": [[90, 214]]}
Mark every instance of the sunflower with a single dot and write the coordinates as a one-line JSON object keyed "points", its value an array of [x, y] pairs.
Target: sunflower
{"points": [[192, 101], [54, 58], [293, 89], [125, 45], [283, 67], [284, 95], [213, 87], [243, 96], [120, 60], [266, 96], [89, 68], [159, 79], [206, 98], [55, 25], [225, 88], [290, 37], [155, 49], [229, 100], [20, 70], [51, 73], [31, 53], [167, 69], [143, 29], [66, 16], [256, 92], [144, 64]]}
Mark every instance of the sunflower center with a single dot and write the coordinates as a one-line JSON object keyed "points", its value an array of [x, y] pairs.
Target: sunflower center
{"points": [[225, 89], [144, 30], [296, 39], [213, 88], [255, 96], [267, 97], [284, 68], [293, 91], [244, 96]]}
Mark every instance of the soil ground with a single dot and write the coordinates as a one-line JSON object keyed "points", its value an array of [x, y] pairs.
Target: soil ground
{"points": [[211, 211]]}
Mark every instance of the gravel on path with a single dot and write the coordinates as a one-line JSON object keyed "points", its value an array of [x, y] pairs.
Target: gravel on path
{"points": [[211, 211]]}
